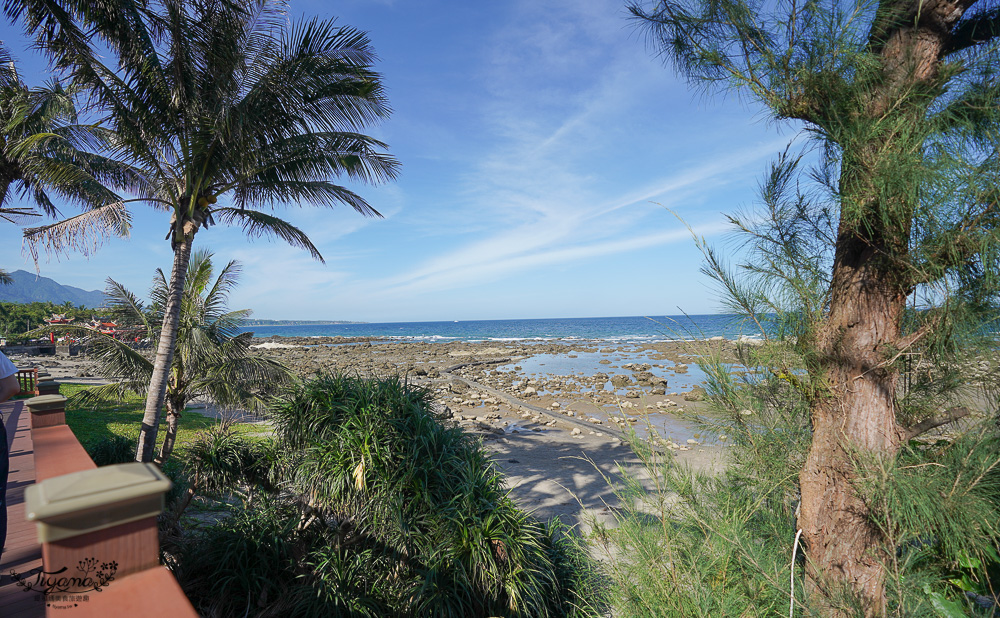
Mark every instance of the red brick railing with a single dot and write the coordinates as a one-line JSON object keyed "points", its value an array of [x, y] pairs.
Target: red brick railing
{"points": [[95, 517]]}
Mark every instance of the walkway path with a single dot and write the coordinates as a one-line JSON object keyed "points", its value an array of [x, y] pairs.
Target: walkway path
{"points": [[22, 553]]}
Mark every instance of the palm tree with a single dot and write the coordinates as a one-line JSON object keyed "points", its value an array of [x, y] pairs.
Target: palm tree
{"points": [[212, 358], [45, 152], [218, 100]]}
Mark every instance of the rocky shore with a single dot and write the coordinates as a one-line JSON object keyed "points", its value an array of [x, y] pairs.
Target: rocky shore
{"points": [[553, 413], [497, 388]]}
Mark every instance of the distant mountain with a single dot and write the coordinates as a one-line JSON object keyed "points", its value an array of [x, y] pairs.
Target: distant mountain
{"points": [[29, 288]]}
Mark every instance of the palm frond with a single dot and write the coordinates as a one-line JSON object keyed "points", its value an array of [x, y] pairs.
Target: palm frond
{"points": [[318, 76], [199, 273], [104, 394], [116, 360], [314, 156], [8, 71], [244, 383], [217, 297], [126, 306], [84, 233], [258, 224], [317, 193], [17, 216]]}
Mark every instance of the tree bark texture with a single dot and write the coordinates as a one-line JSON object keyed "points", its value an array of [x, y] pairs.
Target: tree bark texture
{"points": [[856, 418], [174, 409], [165, 350]]}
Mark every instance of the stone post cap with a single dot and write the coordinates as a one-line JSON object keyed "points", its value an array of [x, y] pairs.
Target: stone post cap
{"points": [[44, 403], [90, 500]]}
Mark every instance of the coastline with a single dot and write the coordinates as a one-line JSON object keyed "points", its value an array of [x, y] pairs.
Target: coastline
{"points": [[552, 413]]}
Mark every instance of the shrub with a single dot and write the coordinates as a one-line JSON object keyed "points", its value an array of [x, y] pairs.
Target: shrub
{"points": [[382, 511], [112, 449]]}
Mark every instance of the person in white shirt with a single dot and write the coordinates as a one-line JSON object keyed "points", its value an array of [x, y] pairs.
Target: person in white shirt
{"points": [[8, 388]]}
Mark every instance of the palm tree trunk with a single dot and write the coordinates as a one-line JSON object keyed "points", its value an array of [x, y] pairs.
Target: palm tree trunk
{"points": [[165, 350], [173, 420]]}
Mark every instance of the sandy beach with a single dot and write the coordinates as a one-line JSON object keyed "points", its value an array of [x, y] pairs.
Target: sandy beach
{"points": [[553, 414]]}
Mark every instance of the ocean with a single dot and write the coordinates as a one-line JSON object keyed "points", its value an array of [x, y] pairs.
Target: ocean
{"points": [[632, 329]]}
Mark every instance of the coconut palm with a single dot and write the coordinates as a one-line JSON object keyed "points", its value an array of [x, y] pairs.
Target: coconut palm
{"points": [[228, 110], [45, 153], [212, 358]]}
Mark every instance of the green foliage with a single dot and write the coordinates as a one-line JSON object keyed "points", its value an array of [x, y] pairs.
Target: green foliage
{"points": [[19, 318], [223, 110], [698, 544], [113, 449], [46, 152], [212, 358], [219, 459], [873, 261], [690, 544], [938, 506], [383, 511]]}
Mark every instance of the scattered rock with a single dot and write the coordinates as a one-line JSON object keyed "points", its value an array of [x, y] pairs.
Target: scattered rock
{"points": [[620, 381], [695, 394]]}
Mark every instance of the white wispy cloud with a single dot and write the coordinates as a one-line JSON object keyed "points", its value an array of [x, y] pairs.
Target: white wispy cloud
{"points": [[485, 267], [539, 190]]}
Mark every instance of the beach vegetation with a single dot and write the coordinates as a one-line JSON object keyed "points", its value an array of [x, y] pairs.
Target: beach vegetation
{"points": [[877, 247], [365, 503], [223, 111], [726, 543], [213, 360]]}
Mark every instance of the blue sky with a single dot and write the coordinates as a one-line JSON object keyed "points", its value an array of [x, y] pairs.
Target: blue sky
{"points": [[541, 144]]}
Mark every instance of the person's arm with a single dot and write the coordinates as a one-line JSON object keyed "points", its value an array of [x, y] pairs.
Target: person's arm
{"points": [[9, 387]]}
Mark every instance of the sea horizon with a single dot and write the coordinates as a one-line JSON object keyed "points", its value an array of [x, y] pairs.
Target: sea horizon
{"points": [[612, 329]]}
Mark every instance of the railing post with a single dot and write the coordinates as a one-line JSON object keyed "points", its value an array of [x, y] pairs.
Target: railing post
{"points": [[95, 524], [98, 517], [47, 410], [47, 386]]}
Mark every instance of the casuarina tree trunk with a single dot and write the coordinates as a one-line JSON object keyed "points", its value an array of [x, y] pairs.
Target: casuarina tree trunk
{"points": [[857, 419], [165, 350]]}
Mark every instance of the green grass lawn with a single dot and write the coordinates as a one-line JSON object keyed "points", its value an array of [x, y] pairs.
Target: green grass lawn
{"points": [[92, 423]]}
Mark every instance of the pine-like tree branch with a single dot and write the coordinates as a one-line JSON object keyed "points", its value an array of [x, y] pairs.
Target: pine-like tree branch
{"points": [[950, 416], [975, 30]]}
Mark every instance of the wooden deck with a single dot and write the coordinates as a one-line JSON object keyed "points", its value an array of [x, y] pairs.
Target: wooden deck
{"points": [[22, 553]]}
